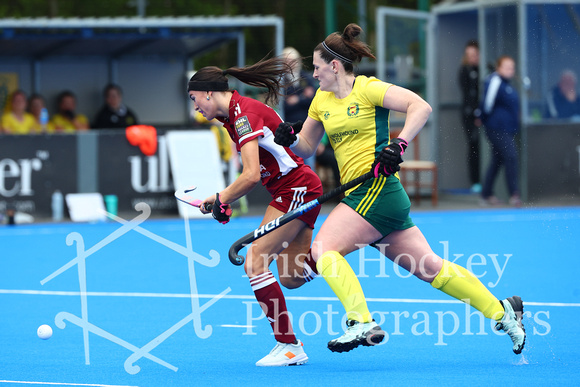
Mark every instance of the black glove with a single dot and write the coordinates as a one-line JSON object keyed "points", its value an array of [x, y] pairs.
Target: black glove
{"points": [[286, 132], [387, 162], [221, 211]]}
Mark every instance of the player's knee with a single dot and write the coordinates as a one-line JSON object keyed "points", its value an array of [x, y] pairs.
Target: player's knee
{"points": [[430, 267], [291, 282], [252, 269], [256, 264], [316, 251]]}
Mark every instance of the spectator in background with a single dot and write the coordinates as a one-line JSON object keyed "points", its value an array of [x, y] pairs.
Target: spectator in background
{"points": [[469, 81], [114, 114], [325, 158], [35, 105], [563, 101], [16, 120], [67, 120], [299, 92], [222, 138], [500, 113]]}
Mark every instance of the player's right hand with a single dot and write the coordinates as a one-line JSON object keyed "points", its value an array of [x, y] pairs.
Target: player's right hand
{"points": [[286, 132], [221, 211]]}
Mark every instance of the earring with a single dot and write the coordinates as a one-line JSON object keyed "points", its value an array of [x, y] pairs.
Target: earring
{"points": [[207, 97]]}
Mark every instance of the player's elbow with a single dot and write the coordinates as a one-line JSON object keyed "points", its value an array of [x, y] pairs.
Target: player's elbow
{"points": [[251, 177], [419, 108], [427, 109], [304, 149]]}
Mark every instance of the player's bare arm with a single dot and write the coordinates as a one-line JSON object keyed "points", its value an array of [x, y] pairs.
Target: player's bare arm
{"points": [[405, 101], [310, 136], [249, 177]]}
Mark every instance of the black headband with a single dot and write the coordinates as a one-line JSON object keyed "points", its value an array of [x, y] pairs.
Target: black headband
{"points": [[207, 86], [335, 54]]}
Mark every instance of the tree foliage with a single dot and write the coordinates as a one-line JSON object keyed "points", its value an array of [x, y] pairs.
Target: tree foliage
{"points": [[304, 20]]}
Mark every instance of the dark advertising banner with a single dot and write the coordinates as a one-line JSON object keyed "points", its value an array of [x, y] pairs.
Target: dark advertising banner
{"points": [[133, 177], [32, 168]]}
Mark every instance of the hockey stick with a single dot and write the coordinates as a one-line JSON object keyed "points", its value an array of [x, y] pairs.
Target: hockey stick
{"points": [[238, 260], [185, 196]]}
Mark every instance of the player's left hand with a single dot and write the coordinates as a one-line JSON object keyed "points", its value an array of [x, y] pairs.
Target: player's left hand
{"points": [[206, 207], [221, 211], [388, 160]]}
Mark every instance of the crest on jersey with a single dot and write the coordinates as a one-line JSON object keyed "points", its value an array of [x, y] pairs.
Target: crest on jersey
{"points": [[243, 127], [352, 109], [326, 115]]}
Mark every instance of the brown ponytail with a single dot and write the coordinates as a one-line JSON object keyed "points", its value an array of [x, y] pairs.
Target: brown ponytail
{"points": [[345, 47], [267, 73]]}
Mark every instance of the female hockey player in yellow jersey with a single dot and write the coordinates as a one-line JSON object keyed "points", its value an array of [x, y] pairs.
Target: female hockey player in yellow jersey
{"points": [[354, 112]]}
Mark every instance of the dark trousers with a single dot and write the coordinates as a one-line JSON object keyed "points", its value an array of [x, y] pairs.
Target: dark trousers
{"points": [[503, 152], [472, 134], [327, 159]]}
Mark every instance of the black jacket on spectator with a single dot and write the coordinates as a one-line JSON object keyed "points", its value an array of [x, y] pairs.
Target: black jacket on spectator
{"points": [[108, 118]]}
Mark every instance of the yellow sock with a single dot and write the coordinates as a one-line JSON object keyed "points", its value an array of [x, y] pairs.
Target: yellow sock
{"points": [[459, 283], [337, 272]]}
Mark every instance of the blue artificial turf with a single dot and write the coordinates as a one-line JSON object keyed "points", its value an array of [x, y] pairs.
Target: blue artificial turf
{"points": [[139, 297]]}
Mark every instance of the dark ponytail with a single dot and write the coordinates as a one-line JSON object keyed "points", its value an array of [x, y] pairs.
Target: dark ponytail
{"points": [[267, 73], [345, 47]]}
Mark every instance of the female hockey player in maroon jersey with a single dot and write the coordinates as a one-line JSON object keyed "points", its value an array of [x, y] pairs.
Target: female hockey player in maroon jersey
{"points": [[251, 125]]}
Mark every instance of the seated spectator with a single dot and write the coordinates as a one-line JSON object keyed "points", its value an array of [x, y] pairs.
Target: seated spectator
{"points": [[563, 101], [66, 119], [35, 105], [114, 114], [16, 120]]}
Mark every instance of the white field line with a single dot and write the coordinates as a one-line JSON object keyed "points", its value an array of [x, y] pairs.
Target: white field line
{"points": [[251, 297], [61, 384]]}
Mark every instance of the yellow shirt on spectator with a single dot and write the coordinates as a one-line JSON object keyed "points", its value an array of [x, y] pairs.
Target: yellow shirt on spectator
{"points": [[221, 135], [223, 140], [60, 123], [38, 127], [12, 125]]}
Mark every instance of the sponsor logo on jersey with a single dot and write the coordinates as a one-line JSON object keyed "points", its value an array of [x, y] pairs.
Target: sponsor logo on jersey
{"points": [[242, 126], [352, 109], [338, 137], [264, 172]]}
